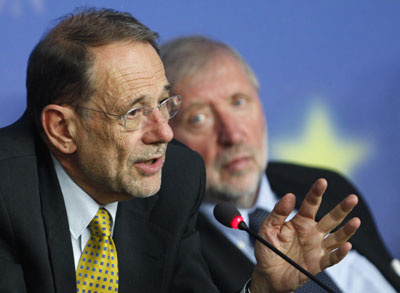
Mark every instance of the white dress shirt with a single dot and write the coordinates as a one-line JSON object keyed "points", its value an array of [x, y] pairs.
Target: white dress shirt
{"points": [[354, 273], [81, 209]]}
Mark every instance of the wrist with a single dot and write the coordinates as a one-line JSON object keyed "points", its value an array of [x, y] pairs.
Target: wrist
{"points": [[259, 283]]}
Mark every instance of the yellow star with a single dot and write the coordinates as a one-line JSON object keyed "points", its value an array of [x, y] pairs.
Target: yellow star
{"points": [[320, 145]]}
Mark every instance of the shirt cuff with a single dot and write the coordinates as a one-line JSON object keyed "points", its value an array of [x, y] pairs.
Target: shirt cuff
{"points": [[246, 288]]}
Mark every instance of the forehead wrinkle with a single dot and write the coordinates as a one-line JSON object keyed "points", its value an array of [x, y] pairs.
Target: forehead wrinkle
{"points": [[110, 94], [196, 105], [120, 84], [140, 79], [135, 84]]}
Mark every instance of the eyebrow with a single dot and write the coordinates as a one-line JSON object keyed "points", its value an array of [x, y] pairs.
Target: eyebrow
{"points": [[196, 105], [139, 99]]}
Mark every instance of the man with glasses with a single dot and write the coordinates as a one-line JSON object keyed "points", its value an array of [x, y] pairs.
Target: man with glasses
{"points": [[222, 118], [82, 204]]}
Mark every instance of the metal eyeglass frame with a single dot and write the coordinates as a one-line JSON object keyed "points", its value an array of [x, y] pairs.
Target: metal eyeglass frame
{"points": [[146, 110]]}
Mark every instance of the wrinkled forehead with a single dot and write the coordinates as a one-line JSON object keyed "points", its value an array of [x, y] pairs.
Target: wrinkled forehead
{"points": [[127, 69], [222, 77]]}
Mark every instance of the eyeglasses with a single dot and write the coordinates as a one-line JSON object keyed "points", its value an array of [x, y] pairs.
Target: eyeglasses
{"points": [[136, 118]]}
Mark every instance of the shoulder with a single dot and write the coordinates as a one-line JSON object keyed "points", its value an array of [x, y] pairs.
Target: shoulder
{"points": [[183, 175], [290, 169], [17, 139], [297, 179], [300, 176], [182, 159], [177, 148]]}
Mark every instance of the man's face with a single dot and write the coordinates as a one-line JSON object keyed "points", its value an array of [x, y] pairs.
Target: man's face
{"points": [[222, 118], [120, 163]]}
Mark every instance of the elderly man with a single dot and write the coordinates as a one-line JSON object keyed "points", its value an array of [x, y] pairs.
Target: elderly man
{"points": [[222, 118], [82, 204]]}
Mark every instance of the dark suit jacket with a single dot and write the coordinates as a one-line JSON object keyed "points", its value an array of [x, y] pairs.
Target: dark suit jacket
{"points": [[230, 267], [157, 243]]}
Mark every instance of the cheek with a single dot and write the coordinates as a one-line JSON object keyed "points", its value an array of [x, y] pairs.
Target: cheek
{"points": [[126, 144], [116, 146], [257, 127]]}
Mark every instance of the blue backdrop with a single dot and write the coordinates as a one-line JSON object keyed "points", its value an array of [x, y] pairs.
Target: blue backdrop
{"points": [[328, 71]]}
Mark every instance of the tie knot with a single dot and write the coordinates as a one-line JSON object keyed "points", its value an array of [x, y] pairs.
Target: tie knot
{"points": [[101, 224]]}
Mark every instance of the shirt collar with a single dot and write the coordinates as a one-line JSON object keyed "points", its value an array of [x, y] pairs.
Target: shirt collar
{"points": [[265, 199], [80, 206]]}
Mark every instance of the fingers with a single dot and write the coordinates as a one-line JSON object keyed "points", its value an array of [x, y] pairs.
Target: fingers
{"points": [[335, 256], [337, 245], [336, 239], [312, 201], [331, 220], [281, 210]]}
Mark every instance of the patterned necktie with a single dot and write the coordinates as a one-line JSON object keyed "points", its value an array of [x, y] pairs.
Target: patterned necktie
{"points": [[256, 218], [312, 287], [98, 266]]}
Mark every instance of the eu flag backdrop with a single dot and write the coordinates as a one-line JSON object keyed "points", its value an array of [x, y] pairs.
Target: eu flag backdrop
{"points": [[329, 74]]}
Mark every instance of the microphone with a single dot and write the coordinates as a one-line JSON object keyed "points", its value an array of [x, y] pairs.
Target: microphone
{"points": [[227, 214]]}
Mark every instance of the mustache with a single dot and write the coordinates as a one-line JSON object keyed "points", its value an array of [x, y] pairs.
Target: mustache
{"points": [[231, 152], [150, 153]]}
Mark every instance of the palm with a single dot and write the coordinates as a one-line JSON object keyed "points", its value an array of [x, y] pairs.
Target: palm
{"points": [[303, 239]]}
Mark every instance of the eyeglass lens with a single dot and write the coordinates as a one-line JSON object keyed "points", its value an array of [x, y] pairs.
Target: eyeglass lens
{"points": [[136, 118]]}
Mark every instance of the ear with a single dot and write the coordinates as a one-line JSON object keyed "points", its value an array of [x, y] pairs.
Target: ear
{"points": [[58, 123]]}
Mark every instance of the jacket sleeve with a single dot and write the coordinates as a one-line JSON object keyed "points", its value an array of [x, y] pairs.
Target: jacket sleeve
{"points": [[11, 274]]}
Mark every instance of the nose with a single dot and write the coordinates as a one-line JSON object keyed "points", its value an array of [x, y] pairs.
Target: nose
{"points": [[157, 129], [229, 129]]}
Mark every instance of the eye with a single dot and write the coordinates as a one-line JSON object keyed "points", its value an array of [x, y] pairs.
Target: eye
{"points": [[197, 119], [132, 114], [239, 101]]}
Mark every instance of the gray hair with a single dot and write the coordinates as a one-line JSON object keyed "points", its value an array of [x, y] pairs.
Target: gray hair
{"points": [[185, 56]]}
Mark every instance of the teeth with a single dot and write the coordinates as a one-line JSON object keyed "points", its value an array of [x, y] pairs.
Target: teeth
{"points": [[149, 162]]}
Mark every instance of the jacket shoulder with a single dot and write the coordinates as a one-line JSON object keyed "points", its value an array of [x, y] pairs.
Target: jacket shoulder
{"points": [[286, 176], [17, 139]]}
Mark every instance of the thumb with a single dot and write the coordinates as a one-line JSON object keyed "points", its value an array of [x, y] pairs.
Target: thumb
{"points": [[281, 211]]}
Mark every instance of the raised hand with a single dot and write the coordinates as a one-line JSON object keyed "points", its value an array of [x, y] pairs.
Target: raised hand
{"points": [[304, 240]]}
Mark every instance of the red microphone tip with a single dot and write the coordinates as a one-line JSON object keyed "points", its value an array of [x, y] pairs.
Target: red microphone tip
{"points": [[236, 221]]}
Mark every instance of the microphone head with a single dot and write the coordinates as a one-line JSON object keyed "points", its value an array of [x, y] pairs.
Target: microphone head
{"points": [[227, 214]]}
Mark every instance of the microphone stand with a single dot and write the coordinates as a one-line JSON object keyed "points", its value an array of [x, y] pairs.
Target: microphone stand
{"points": [[242, 226]]}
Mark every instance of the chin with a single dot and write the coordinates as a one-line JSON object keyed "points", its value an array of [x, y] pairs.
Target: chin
{"points": [[149, 189], [144, 186], [142, 191], [233, 190]]}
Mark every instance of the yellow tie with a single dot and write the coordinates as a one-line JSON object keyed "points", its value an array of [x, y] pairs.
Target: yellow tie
{"points": [[98, 266]]}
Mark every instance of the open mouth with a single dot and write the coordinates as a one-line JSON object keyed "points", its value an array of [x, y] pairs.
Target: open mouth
{"points": [[151, 166], [150, 162]]}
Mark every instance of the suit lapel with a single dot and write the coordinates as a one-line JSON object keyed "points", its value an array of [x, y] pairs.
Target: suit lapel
{"points": [[56, 223], [141, 246], [223, 257]]}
